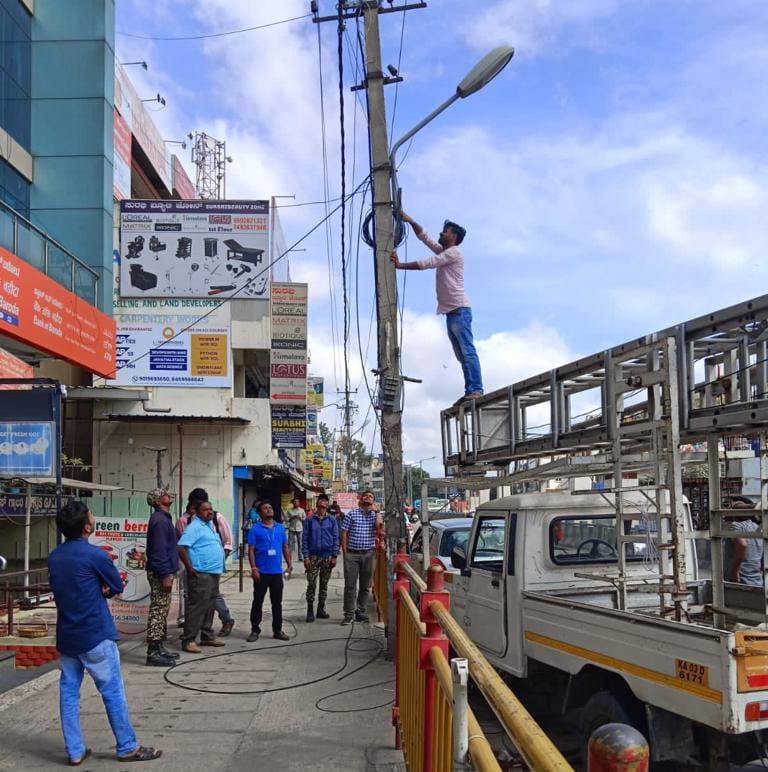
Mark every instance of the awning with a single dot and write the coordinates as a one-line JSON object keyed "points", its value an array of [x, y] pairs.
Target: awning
{"points": [[67, 482], [225, 420]]}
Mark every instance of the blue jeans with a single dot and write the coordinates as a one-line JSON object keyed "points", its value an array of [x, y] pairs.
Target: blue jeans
{"points": [[103, 663], [459, 323]]}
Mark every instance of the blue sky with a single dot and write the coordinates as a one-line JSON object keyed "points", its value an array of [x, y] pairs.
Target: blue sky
{"points": [[612, 180]]}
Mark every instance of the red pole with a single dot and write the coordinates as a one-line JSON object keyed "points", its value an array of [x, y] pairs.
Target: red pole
{"points": [[617, 748], [434, 637], [401, 580]]}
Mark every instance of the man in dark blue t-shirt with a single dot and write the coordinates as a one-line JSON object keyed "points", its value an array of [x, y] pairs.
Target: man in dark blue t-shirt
{"points": [[82, 577], [267, 546]]}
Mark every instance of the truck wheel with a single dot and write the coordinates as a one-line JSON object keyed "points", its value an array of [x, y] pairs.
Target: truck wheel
{"points": [[602, 708]]}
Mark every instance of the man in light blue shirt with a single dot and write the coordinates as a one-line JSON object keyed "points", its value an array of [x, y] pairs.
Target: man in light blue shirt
{"points": [[202, 553]]}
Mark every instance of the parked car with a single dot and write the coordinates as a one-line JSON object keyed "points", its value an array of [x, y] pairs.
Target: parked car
{"points": [[444, 535]]}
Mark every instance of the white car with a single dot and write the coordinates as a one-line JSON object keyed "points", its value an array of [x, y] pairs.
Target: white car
{"points": [[444, 535]]}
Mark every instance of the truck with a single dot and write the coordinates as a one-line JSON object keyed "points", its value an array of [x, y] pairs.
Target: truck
{"points": [[587, 589]]}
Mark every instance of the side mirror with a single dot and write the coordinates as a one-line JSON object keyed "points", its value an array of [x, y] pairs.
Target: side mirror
{"points": [[459, 558], [3, 563]]}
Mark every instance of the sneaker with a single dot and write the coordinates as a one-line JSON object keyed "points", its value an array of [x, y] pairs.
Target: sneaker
{"points": [[212, 642], [361, 617], [252, 638], [226, 628], [347, 619], [281, 636], [191, 647]]}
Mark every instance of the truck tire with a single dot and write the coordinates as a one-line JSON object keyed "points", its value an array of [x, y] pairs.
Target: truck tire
{"points": [[603, 708]]}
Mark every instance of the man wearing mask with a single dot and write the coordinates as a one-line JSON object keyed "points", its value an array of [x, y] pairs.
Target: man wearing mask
{"points": [[162, 567], [202, 554], [320, 547], [267, 546], [358, 540]]}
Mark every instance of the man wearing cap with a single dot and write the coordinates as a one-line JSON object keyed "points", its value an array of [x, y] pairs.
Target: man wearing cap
{"points": [[448, 260], [320, 547], [162, 567]]}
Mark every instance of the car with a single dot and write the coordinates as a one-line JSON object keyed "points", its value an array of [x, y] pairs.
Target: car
{"points": [[444, 535]]}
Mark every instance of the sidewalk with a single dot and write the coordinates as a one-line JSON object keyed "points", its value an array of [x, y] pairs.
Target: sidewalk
{"points": [[196, 715]]}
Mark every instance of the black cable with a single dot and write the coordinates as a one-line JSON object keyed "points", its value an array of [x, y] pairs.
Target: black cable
{"points": [[349, 691], [212, 34]]}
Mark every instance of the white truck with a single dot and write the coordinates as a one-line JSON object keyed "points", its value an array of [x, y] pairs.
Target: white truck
{"points": [[527, 597]]}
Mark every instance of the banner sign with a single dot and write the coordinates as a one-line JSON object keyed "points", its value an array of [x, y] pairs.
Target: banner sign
{"points": [[13, 367], [125, 541], [346, 501], [216, 249], [181, 182], [121, 179], [42, 504], [156, 355], [315, 391], [27, 449], [289, 426], [38, 311], [312, 424]]}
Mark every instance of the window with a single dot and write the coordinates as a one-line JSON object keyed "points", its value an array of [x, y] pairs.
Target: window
{"points": [[416, 544], [14, 189], [455, 537], [15, 70], [592, 539], [488, 549]]}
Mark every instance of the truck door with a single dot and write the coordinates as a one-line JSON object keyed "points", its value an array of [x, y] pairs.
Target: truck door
{"points": [[484, 616]]}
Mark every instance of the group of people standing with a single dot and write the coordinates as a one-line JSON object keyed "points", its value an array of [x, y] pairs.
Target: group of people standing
{"points": [[83, 577]]}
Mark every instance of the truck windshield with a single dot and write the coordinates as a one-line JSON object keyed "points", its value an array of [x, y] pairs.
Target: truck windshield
{"points": [[592, 539]]}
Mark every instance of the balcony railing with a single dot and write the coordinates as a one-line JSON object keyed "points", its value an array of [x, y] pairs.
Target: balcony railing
{"points": [[20, 236]]}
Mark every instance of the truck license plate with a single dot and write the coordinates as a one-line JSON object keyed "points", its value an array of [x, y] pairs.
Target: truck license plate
{"points": [[691, 672]]}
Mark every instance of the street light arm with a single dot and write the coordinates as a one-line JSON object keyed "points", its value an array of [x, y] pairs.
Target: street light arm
{"points": [[400, 142]]}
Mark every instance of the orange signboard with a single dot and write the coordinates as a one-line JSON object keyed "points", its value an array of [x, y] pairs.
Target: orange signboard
{"points": [[13, 367], [36, 310]]}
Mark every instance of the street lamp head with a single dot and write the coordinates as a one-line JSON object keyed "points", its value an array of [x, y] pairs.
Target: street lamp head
{"points": [[485, 70]]}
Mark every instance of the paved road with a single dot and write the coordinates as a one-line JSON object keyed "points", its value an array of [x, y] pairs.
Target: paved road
{"points": [[199, 728]]}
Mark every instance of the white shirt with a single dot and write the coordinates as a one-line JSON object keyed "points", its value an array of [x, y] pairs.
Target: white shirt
{"points": [[449, 276]]}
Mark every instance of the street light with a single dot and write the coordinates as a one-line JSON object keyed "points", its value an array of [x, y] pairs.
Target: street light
{"points": [[478, 77], [420, 462]]}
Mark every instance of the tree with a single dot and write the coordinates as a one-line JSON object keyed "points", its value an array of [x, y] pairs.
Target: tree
{"points": [[326, 437]]}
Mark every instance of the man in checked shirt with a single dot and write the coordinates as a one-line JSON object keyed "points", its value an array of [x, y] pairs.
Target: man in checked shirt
{"points": [[358, 541], [448, 262]]}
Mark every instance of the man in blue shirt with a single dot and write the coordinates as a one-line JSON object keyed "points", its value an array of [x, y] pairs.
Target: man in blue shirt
{"points": [[320, 547], [82, 577], [162, 567], [202, 554], [267, 546]]}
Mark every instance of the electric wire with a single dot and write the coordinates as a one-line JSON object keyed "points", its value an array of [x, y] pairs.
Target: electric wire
{"points": [[212, 34], [397, 84]]}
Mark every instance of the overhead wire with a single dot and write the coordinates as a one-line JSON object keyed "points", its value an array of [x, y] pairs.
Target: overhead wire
{"points": [[169, 39]]}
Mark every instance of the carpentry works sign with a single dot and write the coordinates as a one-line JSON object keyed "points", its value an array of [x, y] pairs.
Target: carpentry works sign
{"points": [[124, 540], [162, 355], [288, 364], [216, 249]]}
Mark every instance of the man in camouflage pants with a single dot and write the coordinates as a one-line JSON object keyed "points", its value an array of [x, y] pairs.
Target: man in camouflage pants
{"points": [[320, 547]]}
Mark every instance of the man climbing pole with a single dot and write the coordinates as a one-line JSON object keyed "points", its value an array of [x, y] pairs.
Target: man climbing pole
{"points": [[452, 301]]}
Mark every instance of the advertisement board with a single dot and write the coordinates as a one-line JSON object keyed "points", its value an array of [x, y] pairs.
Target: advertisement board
{"points": [[194, 249], [27, 448], [121, 179], [315, 391], [346, 501], [37, 310], [289, 426], [162, 355], [13, 367], [41, 504], [124, 539]]}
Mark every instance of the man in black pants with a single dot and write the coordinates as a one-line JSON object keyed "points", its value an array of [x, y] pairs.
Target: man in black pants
{"points": [[267, 546]]}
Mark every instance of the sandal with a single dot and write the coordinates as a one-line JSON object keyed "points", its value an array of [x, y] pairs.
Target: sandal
{"points": [[86, 754], [142, 754]]}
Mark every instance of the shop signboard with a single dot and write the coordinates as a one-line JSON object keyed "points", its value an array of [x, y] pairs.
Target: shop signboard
{"points": [[27, 448], [121, 181], [164, 355], [13, 367], [194, 249], [289, 426], [124, 539], [315, 391], [346, 500], [38, 311], [41, 504]]}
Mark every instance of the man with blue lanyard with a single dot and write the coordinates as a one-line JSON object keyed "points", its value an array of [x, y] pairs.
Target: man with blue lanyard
{"points": [[267, 546], [202, 553]]}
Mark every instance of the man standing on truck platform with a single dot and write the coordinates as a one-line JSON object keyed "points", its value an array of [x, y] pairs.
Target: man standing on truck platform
{"points": [[448, 260], [743, 557]]}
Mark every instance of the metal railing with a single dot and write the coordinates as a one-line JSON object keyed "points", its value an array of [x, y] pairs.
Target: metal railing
{"points": [[34, 246], [24, 594], [434, 724], [380, 581]]}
